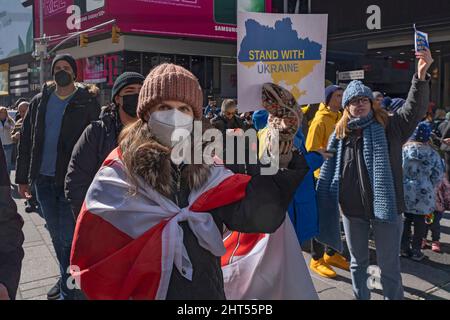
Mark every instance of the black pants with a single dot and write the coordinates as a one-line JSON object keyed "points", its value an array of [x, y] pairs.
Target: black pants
{"points": [[435, 227], [318, 249], [419, 231]]}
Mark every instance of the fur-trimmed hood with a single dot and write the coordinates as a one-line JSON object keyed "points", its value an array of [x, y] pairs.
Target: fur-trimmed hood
{"points": [[89, 87]]}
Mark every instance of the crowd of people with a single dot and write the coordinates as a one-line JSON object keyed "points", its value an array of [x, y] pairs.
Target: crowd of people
{"points": [[356, 166]]}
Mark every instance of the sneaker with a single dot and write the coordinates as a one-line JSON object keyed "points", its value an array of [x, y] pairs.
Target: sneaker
{"points": [[338, 261], [425, 244], [436, 246], [417, 255], [322, 268], [54, 292]]}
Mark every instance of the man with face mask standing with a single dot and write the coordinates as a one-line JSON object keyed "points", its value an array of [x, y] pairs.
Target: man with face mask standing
{"points": [[55, 120], [100, 137]]}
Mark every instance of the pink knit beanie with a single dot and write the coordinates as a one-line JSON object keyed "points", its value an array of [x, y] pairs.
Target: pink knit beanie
{"points": [[170, 82]]}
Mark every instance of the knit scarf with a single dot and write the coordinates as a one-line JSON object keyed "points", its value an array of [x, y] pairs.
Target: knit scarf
{"points": [[376, 159]]}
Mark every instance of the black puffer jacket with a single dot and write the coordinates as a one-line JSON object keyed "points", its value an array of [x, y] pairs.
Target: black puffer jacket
{"points": [[11, 235], [250, 215], [94, 145], [221, 123], [82, 109]]}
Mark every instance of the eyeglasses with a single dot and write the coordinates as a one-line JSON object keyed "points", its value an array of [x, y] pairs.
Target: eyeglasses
{"points": [[357, 101]]}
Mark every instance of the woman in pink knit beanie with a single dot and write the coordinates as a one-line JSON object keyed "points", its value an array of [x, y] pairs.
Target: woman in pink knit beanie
{"points": [[161, 223]]}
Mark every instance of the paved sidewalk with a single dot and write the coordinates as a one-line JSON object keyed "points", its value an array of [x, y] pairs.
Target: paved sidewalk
{"points": [[429, 279], [425, 280], [40, 269]]}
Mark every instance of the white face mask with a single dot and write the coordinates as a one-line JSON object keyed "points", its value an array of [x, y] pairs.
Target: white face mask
{"points": [[169, 124]]}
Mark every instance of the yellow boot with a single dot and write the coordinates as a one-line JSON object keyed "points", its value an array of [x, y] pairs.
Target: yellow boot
{"points": [[322, 268], [337, 261]]}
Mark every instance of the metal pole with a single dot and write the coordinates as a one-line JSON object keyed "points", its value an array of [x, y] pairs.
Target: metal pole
{"points": [[41, 27], [309, 6], [285, 9], [76, 34]]}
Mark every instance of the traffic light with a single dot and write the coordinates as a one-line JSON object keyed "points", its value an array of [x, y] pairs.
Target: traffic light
{"points": [[115, 34], [26, 3], [84, 40]]}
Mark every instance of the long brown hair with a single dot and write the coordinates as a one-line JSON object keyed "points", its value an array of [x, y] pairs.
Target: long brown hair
{"points": [[138, 149], [342, 131]]}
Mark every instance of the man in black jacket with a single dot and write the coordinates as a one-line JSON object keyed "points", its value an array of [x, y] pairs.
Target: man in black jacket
{"points": [[227, 119], [100, 138], [232, 128], [11, 237], [56, 119]]}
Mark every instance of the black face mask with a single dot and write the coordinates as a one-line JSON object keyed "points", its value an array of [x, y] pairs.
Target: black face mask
{"points": [[130, 103], [63, 79]]}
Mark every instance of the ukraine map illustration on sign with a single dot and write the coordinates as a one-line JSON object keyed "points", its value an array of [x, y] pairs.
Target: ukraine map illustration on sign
{"points": [[279, 54]]}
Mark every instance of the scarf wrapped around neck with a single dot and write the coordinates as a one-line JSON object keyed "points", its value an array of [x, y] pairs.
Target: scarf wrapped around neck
{"points": [[376, 159]]}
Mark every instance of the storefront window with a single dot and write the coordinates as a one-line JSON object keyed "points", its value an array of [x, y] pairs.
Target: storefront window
{"points": [[166, 58], [102, 71], [198, 69], [183, 61], [228, 78], [209, 85], [132, 61], [149, 61]]}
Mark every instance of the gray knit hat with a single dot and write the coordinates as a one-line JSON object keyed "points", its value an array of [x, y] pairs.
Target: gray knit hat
{"points": [[356, 89], [69, 59], [124, 80]]}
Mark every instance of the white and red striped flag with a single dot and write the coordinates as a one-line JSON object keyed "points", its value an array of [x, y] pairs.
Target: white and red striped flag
{"points": [[266, 266], [125, 246]]}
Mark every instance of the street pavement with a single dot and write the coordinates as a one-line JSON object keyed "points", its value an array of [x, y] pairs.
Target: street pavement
{"points": [[425, 280]]}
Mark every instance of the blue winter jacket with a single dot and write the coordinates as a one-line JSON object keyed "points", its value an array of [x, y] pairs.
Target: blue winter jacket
{"points": [[422, 172], [303, 209]]}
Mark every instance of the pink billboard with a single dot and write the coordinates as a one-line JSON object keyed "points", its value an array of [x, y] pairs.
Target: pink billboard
{"points": [[207, 19]]}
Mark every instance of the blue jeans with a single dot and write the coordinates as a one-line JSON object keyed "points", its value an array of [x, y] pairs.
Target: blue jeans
{"points": [[8, 155], [60, 223], [387, 242]]}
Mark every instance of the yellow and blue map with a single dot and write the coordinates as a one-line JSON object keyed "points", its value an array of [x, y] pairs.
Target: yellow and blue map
{"points": [[279, 52]]}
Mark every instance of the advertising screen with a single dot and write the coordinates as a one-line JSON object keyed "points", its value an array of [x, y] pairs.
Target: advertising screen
{"points": [[206, 19]]}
